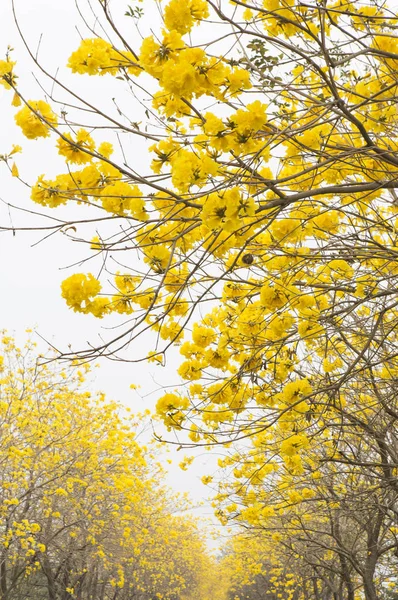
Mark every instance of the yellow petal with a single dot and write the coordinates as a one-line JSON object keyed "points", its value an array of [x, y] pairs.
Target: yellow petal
{"points": [[16, 101], [14, 170]]}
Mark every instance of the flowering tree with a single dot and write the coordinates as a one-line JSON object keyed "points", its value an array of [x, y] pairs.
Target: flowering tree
{"points": [[83, 511], [330, 516], [275, 209], [261, 237]]}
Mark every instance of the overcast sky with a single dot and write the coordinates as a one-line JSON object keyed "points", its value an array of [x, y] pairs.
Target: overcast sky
{"points": [[31, 269]]}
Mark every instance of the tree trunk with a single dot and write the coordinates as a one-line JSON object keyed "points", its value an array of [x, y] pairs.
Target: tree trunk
{"points": [[51, 587], [3, 575]]}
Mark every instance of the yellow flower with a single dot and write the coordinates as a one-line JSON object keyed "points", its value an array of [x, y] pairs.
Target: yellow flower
{"points": [[93, 57], [105, 149], [203, 336], [273, 296], [340, 269], [294, 444], [80, 289], [36, 119], [51, 193], [181, 15], [120, 198], [223, 211], [6, 75], [294, 390], [190, 370], [74, 150]]}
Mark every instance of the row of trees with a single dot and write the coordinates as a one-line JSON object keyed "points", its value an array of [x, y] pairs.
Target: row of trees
{"points": [[83, 510], [261, 242], [84, 513], [328, 525]]}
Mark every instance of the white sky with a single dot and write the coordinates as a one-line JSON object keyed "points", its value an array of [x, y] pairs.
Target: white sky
{"points": [[31, 272]]}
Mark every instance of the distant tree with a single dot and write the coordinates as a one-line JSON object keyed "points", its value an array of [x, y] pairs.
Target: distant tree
{"points": [[83, 511], [328, 507]]}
